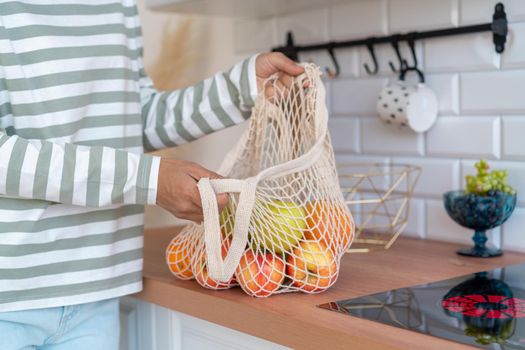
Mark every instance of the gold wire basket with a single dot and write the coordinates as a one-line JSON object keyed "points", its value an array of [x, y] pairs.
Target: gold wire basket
{"points": [[378, 195]]}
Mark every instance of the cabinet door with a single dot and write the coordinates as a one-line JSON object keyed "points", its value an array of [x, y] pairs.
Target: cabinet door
{"points": [[151, 327]]}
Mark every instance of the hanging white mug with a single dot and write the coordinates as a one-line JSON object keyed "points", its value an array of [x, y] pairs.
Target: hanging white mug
{"points": [[408, 105]]}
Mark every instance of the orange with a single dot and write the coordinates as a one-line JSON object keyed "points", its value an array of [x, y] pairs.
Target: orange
{"points": [[178, 258], [329, 224]]}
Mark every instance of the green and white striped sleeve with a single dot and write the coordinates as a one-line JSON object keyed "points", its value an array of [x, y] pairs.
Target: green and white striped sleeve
{"points": [[72, 174], [172, 118]]}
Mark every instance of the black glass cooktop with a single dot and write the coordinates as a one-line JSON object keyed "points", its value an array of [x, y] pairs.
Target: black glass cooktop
{"points": [[485, 309]]}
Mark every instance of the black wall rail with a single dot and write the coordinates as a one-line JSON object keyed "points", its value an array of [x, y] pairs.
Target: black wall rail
{"points": [[498, 27]]}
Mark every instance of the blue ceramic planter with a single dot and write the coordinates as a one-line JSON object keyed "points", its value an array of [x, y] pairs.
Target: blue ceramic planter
{"points": [[479, 213]]}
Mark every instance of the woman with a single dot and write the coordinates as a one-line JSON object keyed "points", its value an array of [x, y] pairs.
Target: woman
{"points": [[76, 113]]}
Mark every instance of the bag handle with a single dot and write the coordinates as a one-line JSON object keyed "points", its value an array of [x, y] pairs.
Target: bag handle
{"points": [[219, 269]]}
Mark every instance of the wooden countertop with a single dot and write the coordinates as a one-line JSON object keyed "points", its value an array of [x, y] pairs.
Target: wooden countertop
{"points": [[294, 320]]}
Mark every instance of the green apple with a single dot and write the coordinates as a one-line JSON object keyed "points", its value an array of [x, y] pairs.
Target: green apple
{"points": [[226, 221], [281, 225]]}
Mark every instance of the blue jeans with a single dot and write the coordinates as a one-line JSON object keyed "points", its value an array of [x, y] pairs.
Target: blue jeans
{"points": [[93, 326]]}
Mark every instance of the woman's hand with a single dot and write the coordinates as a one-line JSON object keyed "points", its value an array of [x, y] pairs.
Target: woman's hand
{"points": [[271, 63], [177, 190]]}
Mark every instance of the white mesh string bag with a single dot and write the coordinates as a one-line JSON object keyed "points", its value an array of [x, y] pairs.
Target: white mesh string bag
{"points": [[286, 225]]}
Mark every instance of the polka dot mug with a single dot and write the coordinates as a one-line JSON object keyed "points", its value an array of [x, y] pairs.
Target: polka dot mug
{"points": [[408, 105]]}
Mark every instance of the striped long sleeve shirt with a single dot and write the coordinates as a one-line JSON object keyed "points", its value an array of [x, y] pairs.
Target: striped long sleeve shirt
{"points": [[76, 113]]}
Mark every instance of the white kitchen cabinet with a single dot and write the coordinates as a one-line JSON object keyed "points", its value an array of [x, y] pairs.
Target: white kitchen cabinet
{"points": [[146, 326], [239, 8]]}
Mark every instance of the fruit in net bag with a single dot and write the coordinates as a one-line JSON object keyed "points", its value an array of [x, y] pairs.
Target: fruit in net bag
{"points": [[280, 225], [201, 271], [287, 220], [312, 266], [329, 224], [260, 274], [178, 257]]}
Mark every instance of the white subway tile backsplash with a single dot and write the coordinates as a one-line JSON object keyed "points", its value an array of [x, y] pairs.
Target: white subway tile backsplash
{"points": [[465, 136], [441, 227], [446, 88], [416, 219], [348, 61], [409, 15], [307, 27], [378, 137], [437, 175], [461, 53], [360, 159], [357, 19], [255, 35], [514, 54], [515, 179], [356, 97], [513, 232], [345, 134], [513, 137], [481, 11], [496, 92]]}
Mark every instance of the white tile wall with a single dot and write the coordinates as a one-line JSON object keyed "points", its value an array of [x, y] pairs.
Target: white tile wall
{"points": [[513, 137], [342, 158], [345, 134], [494, 92], [409, 15], [514, 232], [381, 138], [446, 87], [514, 54], [416, 219], [356, 97], [461, 53], [465, 136], [437, 175], [357, 19], [478, 11], [307, 27], [481, 98], [441, 227]]}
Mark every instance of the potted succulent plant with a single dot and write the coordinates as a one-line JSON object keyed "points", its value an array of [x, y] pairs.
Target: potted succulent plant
{"points": [[487, 202]]}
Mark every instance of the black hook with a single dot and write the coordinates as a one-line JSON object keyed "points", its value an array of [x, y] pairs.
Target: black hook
{"points": [[370, 46], [415, 69], [290, 50], [412, 45], [402, 62], [333, 74]]}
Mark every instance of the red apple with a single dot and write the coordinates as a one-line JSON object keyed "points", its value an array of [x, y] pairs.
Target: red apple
{"points": [[201, 272], [312, 266], [260, 274]]}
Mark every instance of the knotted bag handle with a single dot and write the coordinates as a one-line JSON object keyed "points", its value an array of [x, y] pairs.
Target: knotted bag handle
{"points": [[219, 269]]}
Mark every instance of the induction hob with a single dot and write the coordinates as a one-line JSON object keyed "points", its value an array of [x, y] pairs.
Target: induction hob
{"points": [[485, 309]]}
